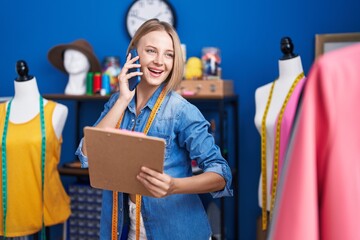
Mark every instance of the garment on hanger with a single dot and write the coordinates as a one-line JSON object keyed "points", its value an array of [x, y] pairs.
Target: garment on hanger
{"points": [[319, 190], [24, 182]]}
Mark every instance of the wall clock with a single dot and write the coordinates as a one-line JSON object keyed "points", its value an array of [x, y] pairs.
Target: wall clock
{"points": [[143, 10]]}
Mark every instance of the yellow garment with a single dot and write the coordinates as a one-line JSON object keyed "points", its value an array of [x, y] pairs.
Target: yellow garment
{"points": [[24, 205]]}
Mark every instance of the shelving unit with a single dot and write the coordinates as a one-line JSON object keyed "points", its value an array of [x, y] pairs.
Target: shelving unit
{"points": [[226, 109]]}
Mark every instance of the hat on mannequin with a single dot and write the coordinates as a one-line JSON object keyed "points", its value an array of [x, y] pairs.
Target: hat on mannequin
{"points": [[56, 54]]}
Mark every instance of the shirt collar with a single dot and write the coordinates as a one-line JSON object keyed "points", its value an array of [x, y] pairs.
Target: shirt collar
{"points": [[150, 104]]}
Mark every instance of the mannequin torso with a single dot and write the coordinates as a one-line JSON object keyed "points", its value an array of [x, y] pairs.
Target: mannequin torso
{"points": [[39, 144], [289, 69], [25, 105], [77, 65]]}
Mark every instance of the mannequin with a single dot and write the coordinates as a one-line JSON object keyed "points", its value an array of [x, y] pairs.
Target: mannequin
{"points": [[75, 59], [77, 66], [25, 104], [33, 186], [290, 68], [320, 197]]}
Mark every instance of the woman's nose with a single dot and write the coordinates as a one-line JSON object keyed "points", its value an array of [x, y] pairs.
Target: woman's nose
{"points": [[159, 59]]}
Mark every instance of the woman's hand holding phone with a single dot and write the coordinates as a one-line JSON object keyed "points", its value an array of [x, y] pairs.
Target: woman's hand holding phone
{"points": [[134, 80], [125, 76]]}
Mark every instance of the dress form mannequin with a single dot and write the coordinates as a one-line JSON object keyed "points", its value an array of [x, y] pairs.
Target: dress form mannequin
{"points": [[34, 168], [25, 104], [289, 69], [77, 66]]}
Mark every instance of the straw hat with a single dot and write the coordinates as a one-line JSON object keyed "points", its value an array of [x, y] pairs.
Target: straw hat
{"points": [[56, 54]]}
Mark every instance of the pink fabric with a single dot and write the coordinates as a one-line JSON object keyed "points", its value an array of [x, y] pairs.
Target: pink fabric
{"points": [[287, 122], [319, 189]]}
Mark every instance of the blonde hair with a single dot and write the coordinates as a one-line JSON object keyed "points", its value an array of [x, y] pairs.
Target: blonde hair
{"points": [[151, 25]]}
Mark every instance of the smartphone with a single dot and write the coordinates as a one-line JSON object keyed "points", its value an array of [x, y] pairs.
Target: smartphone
{"points": [[134, 81]]}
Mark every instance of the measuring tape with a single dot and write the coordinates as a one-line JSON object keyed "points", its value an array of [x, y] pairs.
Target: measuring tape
{"points": [[4, 165], [138, 197], [263, 159], [276, 152]]}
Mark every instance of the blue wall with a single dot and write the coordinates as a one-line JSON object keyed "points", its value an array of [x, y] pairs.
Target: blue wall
{"points": [[247, 32]]}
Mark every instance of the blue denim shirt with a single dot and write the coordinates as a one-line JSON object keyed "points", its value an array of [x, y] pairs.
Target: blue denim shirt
{"points": [[185, 130]]}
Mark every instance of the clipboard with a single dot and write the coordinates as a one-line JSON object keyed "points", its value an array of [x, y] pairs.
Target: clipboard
{"points": [[115, 157]]}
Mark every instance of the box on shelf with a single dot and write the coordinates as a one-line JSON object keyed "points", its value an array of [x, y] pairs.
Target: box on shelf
{"points": [[213, 88]]}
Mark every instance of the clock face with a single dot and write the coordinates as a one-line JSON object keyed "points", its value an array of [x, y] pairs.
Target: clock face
{"points": [[143, 10]]}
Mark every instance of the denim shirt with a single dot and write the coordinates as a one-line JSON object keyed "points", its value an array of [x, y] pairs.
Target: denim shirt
{"points": [[185, 130]]}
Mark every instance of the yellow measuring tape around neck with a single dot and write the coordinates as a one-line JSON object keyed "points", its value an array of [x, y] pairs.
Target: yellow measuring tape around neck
{"points": [[138, 197], [276, 151]]}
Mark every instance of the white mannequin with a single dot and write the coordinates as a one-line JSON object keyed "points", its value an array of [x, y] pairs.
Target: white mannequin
{"points": [[289, 69], [77, 65], [25, 105]]}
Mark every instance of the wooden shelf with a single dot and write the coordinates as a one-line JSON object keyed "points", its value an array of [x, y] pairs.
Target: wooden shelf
{"points": [[71, 171], [99, 97], [75, 97]]}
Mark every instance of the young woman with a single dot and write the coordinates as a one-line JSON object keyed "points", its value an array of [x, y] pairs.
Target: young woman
{"points": [[175, 211]]}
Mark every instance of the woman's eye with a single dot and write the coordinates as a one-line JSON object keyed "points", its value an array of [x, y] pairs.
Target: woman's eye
{"points": [[150, 51], [170, 55]]}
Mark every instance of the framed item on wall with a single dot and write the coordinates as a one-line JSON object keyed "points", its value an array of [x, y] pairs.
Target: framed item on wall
{"points": [[328, 42]]}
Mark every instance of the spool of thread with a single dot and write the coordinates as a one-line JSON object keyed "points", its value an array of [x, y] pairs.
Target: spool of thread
{"points": [[97, 83], [89, 83], [105, 83]]}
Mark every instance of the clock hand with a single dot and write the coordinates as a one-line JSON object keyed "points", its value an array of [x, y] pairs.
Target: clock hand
{"points": [[140, 18], [158, 15]]}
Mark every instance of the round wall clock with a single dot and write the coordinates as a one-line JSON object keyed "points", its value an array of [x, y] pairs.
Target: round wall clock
{"points": [[143, 10]]}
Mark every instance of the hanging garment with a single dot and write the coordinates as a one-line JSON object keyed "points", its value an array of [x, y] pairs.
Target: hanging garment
{"points": [[319, 189], [24, 194]]}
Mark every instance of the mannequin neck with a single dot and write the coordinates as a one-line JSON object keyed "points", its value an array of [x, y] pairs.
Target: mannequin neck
{"points": [[290, 68], [26, 91], [76, 84], [25, 104]]}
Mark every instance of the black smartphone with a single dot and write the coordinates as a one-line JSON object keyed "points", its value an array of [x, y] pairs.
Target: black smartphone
{"points": [[134, 81]]}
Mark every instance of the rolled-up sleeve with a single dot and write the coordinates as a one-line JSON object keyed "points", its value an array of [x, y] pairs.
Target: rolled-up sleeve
{"points": [[83, 159], [225, 171], [194, 135]]}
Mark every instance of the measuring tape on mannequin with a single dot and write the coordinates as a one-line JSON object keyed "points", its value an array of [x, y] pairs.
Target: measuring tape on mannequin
{"points": [[138, 197], [4, 165], [276, 152]]}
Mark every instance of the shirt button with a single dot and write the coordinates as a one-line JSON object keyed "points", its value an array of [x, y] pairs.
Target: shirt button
{"points": [[118, 233], [120, 209], [132, 120]]}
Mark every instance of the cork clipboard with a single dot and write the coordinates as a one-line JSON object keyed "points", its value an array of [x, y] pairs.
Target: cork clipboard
{"points": [[116, 156]]}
